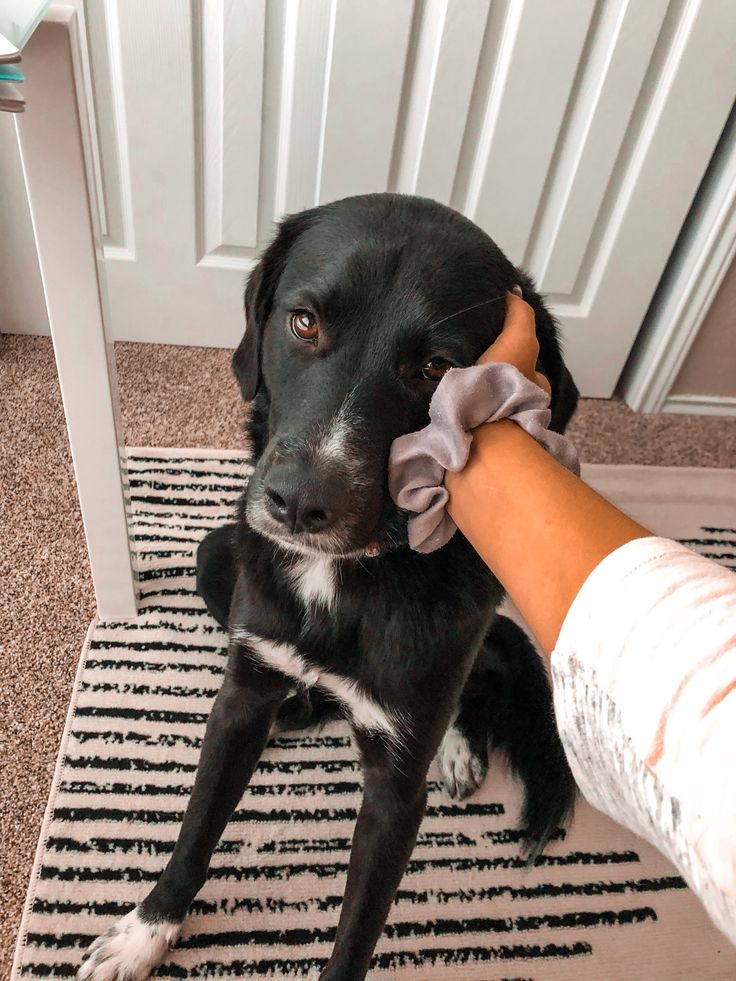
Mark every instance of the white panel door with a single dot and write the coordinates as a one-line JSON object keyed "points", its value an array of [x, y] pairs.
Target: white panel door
{"points": [[575, 132]]}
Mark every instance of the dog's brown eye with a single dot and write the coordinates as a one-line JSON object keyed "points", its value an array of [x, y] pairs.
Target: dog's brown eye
{"points": [[304, 325], [435, 369]]}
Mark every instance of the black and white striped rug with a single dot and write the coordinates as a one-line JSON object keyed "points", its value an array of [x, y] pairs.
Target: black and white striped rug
{"points": [[600, 904]]}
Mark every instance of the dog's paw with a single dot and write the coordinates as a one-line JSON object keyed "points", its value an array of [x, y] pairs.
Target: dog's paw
{"points": [[462, 771], [129, 951]]}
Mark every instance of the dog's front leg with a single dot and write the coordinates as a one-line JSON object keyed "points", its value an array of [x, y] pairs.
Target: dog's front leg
{"points": [[394, 800], [237, 731]]}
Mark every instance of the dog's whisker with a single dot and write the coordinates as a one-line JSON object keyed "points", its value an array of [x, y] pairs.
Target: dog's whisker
{"points": [[473, 306]]}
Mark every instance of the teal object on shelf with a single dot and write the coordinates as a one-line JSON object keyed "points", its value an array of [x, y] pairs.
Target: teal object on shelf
{"points": [[19, 19], [9, 73]]}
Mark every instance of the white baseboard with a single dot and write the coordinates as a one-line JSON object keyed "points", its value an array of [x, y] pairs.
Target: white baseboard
{"points": [[701, 405]]}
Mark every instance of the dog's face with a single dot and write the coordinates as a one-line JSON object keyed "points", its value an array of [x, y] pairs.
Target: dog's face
{"points": [[353, 315]]}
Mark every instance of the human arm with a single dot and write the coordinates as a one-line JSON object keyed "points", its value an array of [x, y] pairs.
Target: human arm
{"points": [[539, 528], [642, 633]]}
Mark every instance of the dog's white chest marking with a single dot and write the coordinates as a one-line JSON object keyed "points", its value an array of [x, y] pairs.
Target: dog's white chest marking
{"points": [[314, 580], [365, 711]]}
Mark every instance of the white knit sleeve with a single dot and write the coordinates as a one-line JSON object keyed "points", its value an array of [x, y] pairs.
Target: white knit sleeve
{"points": [[644, 676]]}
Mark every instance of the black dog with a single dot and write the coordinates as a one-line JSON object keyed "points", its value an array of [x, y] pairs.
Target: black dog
{"points": [[353, 314]]}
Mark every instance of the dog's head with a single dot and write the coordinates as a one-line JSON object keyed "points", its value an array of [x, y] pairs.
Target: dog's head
{"points": [[353, 314]]}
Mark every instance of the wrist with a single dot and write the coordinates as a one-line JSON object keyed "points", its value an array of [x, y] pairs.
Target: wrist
{"points": [[495, 446], [503, 459], [464, 401], [539, 528]]}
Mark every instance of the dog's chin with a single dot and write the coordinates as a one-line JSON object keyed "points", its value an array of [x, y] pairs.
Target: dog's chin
{"points": [[324, 545]]}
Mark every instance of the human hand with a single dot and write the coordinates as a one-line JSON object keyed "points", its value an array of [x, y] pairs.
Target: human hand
{"points": [[517, 343]]}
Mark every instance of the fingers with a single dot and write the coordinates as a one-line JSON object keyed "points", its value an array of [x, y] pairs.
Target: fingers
{"points": [[517, 343], [542, 381], [519, 315]]}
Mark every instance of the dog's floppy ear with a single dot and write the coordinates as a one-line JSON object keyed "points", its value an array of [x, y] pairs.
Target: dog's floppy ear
{"points": [[259, 294], [565, 401], [246, 363]]}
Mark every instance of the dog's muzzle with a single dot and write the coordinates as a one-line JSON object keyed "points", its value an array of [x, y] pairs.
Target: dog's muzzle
{"points": [[302, 500]]}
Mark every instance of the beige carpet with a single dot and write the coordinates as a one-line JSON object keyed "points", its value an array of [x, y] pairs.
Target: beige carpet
{"points": [[600, 903], [170, 396]]}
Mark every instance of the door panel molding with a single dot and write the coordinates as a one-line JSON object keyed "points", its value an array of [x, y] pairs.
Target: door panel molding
{"points": [[366, 60], [538, 58], [308, 30], [229, 45], [657, 186], [603, 100], [447, 43], [107, 114]]}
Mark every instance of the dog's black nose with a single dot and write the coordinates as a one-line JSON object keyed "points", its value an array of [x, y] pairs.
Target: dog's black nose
{"points": [[296, 506]]}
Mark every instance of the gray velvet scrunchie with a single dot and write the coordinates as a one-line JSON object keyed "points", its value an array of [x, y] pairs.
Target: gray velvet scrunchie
{"points": [[464, 399]]}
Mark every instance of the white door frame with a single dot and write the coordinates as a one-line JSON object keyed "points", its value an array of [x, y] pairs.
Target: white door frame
{"points": [[702, 257]]}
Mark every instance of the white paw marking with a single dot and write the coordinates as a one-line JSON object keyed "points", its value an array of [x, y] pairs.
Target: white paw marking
{"points": [[365, 711], [462, 772], [313, 577], [129, 951], [478, 770]]}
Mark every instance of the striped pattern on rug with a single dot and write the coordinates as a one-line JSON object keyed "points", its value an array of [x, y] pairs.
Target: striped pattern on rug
{"points": [[600, 904]]}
